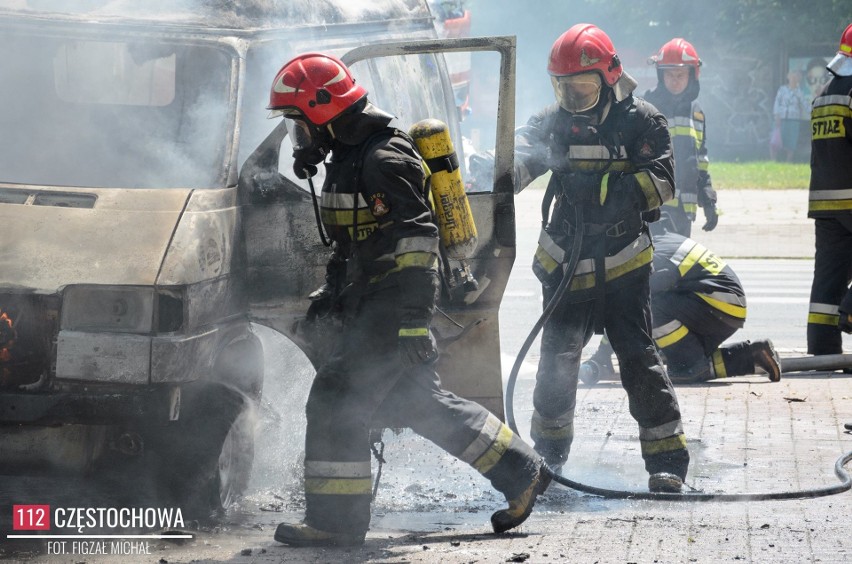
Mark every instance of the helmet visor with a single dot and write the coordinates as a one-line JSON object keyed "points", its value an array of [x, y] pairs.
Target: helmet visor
{"points": [[841, 65], [300, 133], [577, 92]]}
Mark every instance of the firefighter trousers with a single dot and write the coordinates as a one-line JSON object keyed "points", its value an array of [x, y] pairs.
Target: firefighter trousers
{"points": [[690, 334], [688, 363], [652, 400], [364, 379], [832, 273]]}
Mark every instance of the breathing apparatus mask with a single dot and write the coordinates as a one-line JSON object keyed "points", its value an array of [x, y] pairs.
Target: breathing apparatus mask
{"points": [[310, 146], [577, 92]]}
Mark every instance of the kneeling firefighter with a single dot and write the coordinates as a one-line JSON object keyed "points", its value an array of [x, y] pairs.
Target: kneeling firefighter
{"points": [[382, 279], [697, 302], [611, 161]]}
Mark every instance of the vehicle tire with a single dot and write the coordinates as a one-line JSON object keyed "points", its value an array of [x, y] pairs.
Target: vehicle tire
{"points": [[236, 458], [206, 458]]}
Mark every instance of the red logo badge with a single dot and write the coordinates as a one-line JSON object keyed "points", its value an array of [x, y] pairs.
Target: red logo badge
{"points": [[31, 517]]}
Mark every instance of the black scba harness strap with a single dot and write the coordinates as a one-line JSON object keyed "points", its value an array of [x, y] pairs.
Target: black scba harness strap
{"points": [[325, 241], [447, 163]]}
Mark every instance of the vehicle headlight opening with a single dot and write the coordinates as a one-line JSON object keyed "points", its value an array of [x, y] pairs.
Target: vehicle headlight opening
{"points": [[124, 309]]}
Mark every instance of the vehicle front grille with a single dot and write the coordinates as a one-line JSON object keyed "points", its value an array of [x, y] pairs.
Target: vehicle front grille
{"points": [[29, 325]]}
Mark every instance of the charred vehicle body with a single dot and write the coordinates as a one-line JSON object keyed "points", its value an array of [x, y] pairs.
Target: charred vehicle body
{"points": [[150, 218]]}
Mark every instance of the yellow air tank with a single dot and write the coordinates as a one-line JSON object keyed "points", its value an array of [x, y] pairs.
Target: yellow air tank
{"points": [[455, 220]]}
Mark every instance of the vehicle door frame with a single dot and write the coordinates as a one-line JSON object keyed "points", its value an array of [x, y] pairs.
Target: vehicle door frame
{"points": [[468, 327]]}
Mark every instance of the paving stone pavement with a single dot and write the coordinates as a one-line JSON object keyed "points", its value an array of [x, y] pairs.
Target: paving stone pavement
{"points": [[747, 435], [744, 435]]}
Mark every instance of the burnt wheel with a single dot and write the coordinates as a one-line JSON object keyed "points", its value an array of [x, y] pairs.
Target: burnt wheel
{"points": [[205, 459]]}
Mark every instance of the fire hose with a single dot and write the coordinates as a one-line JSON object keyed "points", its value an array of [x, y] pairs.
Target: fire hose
{"points": [[839, 470], [789, 365]]}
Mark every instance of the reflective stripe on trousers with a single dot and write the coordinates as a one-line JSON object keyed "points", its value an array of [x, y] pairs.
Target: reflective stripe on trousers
{"points": [[832, 266]]}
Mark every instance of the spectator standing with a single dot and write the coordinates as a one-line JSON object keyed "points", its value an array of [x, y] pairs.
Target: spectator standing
{"points": [[789, 110]]}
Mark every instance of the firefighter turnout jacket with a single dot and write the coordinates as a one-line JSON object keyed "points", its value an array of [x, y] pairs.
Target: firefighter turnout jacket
{"points": [[686, 122], [628, 156], [831, 151]]}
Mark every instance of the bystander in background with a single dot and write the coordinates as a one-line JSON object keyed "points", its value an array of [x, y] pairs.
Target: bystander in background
{"points": [[789, 109]]}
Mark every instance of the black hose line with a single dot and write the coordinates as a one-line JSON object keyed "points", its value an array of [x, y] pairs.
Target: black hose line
{"points": [[545, 315], [839, 470]]}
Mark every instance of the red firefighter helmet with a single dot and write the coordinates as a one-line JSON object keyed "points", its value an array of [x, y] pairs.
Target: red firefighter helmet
{"points": [[315, 86], [677, 53], [584, 48], [841, 64]]}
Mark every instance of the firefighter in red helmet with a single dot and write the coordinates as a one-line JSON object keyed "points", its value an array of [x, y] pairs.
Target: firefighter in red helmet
{"points": [[830, 205], [382, 280], [678, 70], [610, 158]]}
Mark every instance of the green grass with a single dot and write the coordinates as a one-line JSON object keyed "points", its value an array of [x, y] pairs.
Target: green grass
{"points": [[755, 175], [761, 175]]}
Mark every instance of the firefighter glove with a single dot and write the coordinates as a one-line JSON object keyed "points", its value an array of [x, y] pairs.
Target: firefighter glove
{"points": [[712, 216], [481, 169], [578, 187], [305, 160], [303, 169], [322, 302], [417, 345]]}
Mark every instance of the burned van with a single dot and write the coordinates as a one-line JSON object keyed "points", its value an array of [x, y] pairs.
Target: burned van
{"points": [[149, 218]]}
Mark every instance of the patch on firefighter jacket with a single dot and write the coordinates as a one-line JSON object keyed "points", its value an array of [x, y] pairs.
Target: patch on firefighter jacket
{"points": [[646, 151], [698, 115], [378, 205]]}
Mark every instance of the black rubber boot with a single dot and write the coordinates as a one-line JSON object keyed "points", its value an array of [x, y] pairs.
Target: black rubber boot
{"points": [[764, 356], [305, 535], [664, 482], [521, 506], [598, 367]]}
